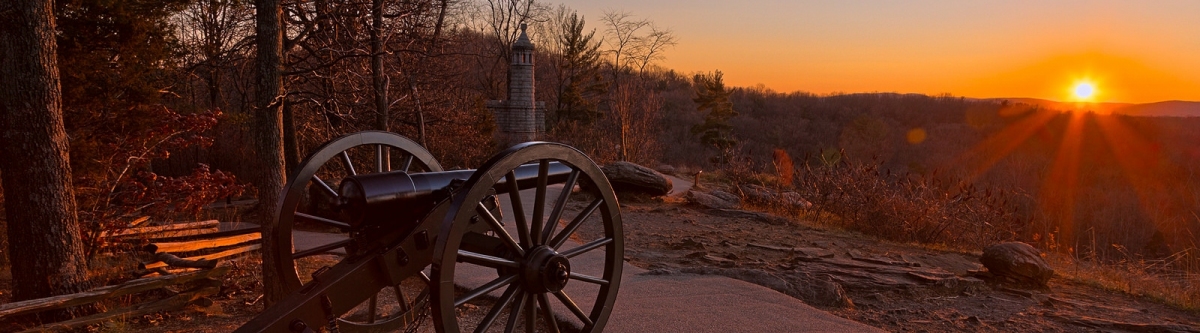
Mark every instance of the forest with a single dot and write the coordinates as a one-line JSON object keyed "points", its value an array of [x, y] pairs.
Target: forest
{"points": [[164, 104]]}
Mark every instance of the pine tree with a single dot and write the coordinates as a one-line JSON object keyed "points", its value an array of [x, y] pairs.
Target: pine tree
{"points": [[711, 95], [581, 71]]}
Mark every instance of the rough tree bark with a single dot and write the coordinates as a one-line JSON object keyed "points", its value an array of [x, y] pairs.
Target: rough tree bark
{"points": [[268, 142], [291, 148], [378, 77], [43, 236]]}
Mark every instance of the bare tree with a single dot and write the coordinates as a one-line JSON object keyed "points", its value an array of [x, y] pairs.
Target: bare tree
{"points": [[622, 38], [505, 18], [268, 142], [651, 47], [379, 79], [212, 29], [501, 21], [631, 46], [43, 237]]}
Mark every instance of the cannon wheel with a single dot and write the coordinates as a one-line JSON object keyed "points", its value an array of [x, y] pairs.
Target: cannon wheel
{"points": [[357, 153], [539, 259]]}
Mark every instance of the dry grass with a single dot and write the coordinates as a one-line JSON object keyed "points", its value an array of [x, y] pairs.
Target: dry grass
{"points": [[952, 216], [1163, 281], [912, 208]]}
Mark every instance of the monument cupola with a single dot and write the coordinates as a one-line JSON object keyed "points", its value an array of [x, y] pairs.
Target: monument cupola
{"points": [[521, 117]]}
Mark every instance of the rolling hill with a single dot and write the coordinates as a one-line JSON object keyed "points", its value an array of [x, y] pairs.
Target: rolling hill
{"points": [[1157, 109]]}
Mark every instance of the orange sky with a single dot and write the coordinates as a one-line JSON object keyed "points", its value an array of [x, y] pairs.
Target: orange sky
{"points": [[1133, 51]]}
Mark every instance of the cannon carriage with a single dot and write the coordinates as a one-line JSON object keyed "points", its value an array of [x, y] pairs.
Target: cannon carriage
{"points": [[529, 241]]}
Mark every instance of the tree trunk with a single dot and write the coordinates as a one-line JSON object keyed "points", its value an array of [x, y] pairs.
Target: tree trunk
{"points": [[214, 88], [378, 78], [268, 143], [291, 148], [420, 112], [441, 20], [43, 234]]}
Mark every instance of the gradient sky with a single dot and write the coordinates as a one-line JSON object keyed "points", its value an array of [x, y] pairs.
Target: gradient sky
{"points": [[1133, 51]]}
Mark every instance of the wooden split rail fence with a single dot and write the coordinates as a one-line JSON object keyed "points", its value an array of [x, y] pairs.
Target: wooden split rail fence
{"points": [[180, 255]]}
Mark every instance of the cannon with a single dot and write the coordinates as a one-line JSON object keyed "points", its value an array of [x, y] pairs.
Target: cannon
{"points": [[530, 241]]}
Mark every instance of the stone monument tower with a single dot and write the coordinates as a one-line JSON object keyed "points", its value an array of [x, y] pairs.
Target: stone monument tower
{"points": [[520, 118]]}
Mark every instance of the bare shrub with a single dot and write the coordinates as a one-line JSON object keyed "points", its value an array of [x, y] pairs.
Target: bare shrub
{"points": [[912, 208], [783, 166]]}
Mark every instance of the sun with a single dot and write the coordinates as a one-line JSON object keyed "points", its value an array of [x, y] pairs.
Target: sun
{"points": [[1084, 91]]}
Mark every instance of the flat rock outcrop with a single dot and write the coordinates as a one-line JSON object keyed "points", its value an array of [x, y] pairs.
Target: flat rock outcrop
{"points": [[715, 201], [629, 177], [764, 195]]}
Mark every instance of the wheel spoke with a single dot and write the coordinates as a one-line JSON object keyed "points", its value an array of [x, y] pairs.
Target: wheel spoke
{"points": [[321, 249], [515, 312], [499, 229], [539, 201], [551, 322], [560, 204], [404, 306], [589, 278], [499, 307], [570, 228], [586, 247], [486, 260], [530, 314], [329, 222], [381, 158], [324, 186], [514, 197], [374, 302], [487, 288], [407, 163], [347, 164], [562, 297]]}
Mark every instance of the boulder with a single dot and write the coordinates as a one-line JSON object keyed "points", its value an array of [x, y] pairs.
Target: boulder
{"points": [[665, 168], [1018, 262], [758, 193], [709, 200], [726, 196], [794, 200], [629, 177]]}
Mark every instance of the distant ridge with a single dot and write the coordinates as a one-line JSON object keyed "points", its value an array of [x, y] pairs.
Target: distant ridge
{"points": [[1158, 109]]}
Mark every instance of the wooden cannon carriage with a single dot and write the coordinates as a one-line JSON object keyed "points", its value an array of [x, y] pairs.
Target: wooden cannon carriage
{"points": [[467, 248]]}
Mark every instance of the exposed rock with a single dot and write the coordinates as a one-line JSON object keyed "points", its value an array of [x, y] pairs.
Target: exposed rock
{"points": [[819, 291], [755, 216], [758, 193], [762, 194], [1018, 262], [794, 200], [665, 168], [626, 176], [727, 196], [709, 200]]}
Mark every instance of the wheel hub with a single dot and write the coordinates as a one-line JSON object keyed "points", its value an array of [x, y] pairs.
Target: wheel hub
{"points": [[544, 270]]}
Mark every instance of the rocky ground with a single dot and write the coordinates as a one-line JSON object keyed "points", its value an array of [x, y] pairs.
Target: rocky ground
{"points": [[894, 287]]}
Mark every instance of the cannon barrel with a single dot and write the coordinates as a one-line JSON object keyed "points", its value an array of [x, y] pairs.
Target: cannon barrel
{"points": [[404, 197]]}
